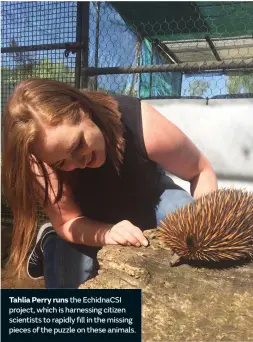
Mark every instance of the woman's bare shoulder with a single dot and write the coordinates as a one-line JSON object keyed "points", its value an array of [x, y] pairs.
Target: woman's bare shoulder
{"points": [[169, 146]]}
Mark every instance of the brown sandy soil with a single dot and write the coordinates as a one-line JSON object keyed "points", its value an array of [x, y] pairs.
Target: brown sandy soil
{"points": [[8, 282], [24, 282]]}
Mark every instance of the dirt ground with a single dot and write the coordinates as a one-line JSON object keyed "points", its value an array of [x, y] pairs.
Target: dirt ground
{"points": [[23, 283], [8, 282]]}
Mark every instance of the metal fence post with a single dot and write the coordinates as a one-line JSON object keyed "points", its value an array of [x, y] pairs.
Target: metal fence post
{"points": [[85, 11], [78, 63]]}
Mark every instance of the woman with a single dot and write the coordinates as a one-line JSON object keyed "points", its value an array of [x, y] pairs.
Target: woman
{"points": [[95, 163]]}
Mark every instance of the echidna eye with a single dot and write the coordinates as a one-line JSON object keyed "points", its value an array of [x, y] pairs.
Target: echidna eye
{"points": [[189, 241]]}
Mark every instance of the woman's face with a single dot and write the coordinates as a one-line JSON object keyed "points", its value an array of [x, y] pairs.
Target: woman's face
{"points": [[68, 146]]}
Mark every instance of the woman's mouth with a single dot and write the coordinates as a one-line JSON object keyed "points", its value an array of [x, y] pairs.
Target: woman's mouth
{"points": [[92, 160]]}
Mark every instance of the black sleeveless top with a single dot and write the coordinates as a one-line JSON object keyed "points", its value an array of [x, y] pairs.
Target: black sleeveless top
{"points": [[132, 195]]}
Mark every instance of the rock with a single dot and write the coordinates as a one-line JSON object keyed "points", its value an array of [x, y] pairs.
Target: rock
{"points": [[183, 303]]}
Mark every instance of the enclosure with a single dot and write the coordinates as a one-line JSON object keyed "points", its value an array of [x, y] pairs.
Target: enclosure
{"points": [[192, 60]]}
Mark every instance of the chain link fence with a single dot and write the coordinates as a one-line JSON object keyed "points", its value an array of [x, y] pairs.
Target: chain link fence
{"points": [[145, 49], [36, 42], [172, 49]]}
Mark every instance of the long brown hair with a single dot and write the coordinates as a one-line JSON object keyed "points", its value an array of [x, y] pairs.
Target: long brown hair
{"points": [[50, 102]]}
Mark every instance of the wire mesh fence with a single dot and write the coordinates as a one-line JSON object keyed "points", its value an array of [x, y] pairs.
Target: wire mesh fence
{"points": [[33, 37], [35, 42], [172, 49], [150, 50]]}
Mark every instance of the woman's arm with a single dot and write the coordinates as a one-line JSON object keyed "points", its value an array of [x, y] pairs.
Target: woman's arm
{"points": [[168, 146], [68, 222]]}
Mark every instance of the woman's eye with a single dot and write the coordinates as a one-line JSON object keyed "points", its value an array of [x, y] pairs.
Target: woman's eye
{"points": [[61, 164], [79, 145]]}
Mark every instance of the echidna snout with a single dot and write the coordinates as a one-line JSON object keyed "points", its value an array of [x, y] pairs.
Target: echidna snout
{"points": [[215, 227], [190, 250]]}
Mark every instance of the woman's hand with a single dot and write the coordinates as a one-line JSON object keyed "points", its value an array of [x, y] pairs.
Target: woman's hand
{"points": [[125, 233]]}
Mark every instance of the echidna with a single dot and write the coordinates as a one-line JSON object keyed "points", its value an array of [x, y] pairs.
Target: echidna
{"points": [[217, 226]]}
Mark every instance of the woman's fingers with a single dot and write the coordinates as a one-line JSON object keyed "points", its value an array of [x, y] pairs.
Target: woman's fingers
{"points": [[125, 233]]}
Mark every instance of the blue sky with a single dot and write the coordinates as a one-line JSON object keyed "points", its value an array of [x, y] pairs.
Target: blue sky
{"points": [[32, 23], [217, 84]]}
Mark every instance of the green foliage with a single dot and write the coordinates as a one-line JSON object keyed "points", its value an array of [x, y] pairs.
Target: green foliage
{"points": [[240, 83], [44, 69], [10, 77], [54, 70], [198, 87]]}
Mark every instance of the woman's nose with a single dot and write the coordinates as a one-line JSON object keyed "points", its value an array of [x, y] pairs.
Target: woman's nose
{"points": [[80, 161]]}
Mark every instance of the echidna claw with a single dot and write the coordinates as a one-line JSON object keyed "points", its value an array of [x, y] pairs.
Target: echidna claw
{"points": [[175, 260]]}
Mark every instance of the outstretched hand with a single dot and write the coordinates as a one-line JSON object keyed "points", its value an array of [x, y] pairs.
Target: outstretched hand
{"points": [[125, 233]]}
